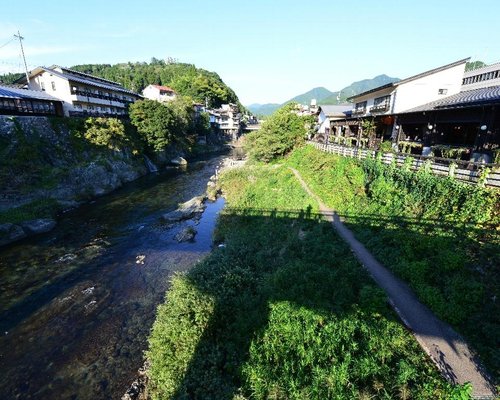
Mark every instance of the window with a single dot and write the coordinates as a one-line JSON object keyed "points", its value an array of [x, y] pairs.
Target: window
{"points": [[78, 106], [360, 107], [442, 91], [381, 103], [53, 84], [42, 85]]}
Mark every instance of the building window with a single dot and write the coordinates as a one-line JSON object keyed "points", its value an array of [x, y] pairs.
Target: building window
{"points": [[381, 103], [53, 84], [42, 85], [360, 107], [442, 91]]}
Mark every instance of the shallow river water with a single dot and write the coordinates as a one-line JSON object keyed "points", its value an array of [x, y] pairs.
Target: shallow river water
{"points": [[77, 303]]}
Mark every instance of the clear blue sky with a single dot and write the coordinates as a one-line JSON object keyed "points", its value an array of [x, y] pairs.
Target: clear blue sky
{"points": [[267, 51]]}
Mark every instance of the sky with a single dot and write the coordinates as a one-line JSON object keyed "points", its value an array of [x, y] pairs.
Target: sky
{"points": [[266, 51]]}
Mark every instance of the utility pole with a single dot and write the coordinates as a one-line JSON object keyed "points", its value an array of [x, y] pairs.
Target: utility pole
{"points": [[18, 36]]}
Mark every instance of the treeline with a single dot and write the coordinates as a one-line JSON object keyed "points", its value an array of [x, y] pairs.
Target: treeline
{"points": [[187, 80]]}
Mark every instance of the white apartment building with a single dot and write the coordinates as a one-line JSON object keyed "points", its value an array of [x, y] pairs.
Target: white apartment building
{"points": [[82, 94], [411, 92], [159, 93], [483, 77]]}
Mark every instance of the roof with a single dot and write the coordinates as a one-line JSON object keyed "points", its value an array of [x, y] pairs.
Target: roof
{"points": [[18, 93], [336, 110], [166, 88], [79, 77], [468, 98], [412, 78]]}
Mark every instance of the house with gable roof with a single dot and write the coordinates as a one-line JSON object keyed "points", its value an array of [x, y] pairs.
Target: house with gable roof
{"points": [[159, 93], [82, 94]]}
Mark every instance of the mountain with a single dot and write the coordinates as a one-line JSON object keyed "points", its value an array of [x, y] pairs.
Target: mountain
{"points": [[318, 93], [356, 88], [263, 109], [325, 96]]}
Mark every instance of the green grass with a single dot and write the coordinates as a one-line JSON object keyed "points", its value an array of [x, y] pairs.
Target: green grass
{"points": [[283, 311], [439, 235]]}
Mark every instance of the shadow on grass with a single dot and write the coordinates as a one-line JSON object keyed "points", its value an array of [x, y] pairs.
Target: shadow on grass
{"points": [[293, 316]]}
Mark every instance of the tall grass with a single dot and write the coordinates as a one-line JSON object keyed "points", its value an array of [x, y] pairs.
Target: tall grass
{"points": [[282, 311], [438, 234]]}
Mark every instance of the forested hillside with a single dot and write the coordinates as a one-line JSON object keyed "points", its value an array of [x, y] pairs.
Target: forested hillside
{"points": [[185, 79]]}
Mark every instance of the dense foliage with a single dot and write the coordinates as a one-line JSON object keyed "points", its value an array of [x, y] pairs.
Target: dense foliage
{"points": [[438, 234], [282, 311], [187, 80], [279, 134], [164, 124]]}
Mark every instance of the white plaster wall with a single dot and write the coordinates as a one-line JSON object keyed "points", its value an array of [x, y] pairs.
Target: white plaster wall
{"points": [[62, 92], [151, 93], [424, 90]]}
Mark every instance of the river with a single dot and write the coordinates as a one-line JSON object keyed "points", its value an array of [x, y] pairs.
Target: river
{"points": [[77, 303]]}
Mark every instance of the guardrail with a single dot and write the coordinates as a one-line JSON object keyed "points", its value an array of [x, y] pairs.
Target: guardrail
{"points": [[470, 172]]}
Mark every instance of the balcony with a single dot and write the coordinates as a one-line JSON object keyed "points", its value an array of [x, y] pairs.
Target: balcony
{"points": [[104, 97], [358, 111], [379, 108]]}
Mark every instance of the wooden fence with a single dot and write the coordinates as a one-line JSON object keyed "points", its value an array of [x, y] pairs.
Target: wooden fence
{"points": [[471, 172]]}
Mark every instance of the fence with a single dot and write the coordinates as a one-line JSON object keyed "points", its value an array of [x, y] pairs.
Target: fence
{"points": [[471, 172]]}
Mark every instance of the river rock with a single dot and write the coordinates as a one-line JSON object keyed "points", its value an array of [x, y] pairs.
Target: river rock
{"points": [[40, 225], [185, 235], [186, 210], [10, 233], [178, 161]]}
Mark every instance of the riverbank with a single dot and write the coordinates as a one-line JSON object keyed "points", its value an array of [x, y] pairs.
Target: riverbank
{"points": [[47, 167], [78, 302], [281, 309]]}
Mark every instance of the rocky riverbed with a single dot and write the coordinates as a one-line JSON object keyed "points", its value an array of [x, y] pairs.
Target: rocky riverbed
{"points": [[77, 303]]}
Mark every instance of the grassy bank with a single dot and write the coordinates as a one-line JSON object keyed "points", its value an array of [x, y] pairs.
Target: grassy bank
{"points": [[282, 311], [439, 235]]}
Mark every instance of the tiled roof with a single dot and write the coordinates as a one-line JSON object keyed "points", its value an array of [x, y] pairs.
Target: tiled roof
{"points": [[469, 98], [79, 77], [166, 88], [336, 110], [18, 93]]}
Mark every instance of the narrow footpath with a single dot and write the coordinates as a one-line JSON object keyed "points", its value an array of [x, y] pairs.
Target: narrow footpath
{"points": [[447, 349]]}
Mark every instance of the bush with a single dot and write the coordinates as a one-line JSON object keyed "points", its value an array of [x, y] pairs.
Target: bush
{"points": [[280, 133]]}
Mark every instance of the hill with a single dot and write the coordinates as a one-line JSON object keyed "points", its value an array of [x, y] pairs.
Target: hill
{"points": [[201, 85], [186, 79], [318, 93], [356, 88], [325, 96]]}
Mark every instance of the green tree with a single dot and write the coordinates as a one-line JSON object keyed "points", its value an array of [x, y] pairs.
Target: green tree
{"points": [[163, 124], [474, 65], [106, 132], [280, 134]]}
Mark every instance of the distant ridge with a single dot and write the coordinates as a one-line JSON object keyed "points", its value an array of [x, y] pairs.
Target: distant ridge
{"points": [[325, 96]]}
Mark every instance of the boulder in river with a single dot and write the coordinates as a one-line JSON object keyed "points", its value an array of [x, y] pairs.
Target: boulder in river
{"points": [[178, 161], [185, 235], [10, 233], [186, 210], [40, 225]]}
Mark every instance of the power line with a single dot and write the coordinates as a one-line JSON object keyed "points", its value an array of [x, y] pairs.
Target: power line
{"points": [[3, 45]]}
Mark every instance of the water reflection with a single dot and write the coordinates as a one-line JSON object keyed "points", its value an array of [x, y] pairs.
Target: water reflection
{"points": [[76, 304]]}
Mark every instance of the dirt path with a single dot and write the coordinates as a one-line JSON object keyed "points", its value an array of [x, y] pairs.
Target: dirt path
{"points": [[446, 348]]}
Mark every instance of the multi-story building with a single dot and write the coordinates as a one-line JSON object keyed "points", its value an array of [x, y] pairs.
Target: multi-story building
{"points": [[411, 92], [483, 77], [16, 101], [226, 119], [159, 93], [82, 94]]}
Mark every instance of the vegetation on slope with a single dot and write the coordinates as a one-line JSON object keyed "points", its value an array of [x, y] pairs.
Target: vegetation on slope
{"points": [[438, 234], [187, 80], [282, 311]]}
